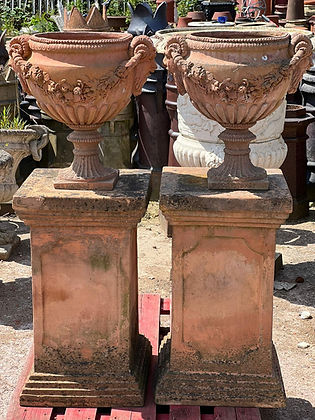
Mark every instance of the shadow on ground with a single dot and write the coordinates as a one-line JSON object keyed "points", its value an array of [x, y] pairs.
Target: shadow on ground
{"points": [[295, 237], [16, 304], [296, 409]]}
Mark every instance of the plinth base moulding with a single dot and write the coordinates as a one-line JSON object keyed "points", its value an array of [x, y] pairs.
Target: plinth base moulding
{"points": [[220, 351], [87, 348]]}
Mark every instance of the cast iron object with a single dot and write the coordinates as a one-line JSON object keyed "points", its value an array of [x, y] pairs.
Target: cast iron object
{"points": [[210, 8], [4, 56], [153, 121], [281, 10], [143, 21], [295, 165], [307, 89], [171, 106]]}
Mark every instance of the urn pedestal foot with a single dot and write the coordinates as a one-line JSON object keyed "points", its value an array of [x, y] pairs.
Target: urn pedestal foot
{"points": [[112, 389], [86, 171], [87, 348], [221, 350], [237, 172], [217, 389]]}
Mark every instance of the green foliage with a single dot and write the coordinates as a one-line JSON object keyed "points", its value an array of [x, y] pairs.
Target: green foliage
{"points": [[79, 4], [9, 122], [185, 6], [13, 20], [117, 8], [41, 23], [18, 18]]}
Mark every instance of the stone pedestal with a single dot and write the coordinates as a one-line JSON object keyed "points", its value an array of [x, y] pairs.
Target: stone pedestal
{"points": [[221, 351], [87, 349]]}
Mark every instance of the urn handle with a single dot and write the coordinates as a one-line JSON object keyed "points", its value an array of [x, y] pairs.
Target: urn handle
{"points": [[142, 52], [176, 51], [301, 60], [19, 53]]}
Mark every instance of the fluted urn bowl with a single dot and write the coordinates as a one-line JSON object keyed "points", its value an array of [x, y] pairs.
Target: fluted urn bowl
{"points": [[83, 80], [236, 79]]}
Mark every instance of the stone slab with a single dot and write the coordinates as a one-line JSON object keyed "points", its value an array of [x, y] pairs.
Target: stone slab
{"points": [[37, 193], [186, 189]]}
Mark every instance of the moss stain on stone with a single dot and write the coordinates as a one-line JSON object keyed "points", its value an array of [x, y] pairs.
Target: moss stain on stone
{"points": [[100, 262]]}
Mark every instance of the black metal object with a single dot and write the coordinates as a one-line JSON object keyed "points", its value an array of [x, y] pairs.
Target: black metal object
{"points": [[144, 21], [153, 121], [307, 90], [4, 56], [210, 7]]}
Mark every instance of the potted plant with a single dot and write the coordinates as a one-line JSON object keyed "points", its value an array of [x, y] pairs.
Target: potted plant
{"points": [[183, 7]]}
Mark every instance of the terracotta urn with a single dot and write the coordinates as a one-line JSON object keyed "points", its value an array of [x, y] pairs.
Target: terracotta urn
{"points": [[83, 79], [238, 78]]}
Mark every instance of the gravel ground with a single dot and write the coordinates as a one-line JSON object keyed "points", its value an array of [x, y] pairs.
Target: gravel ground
{"points": [[296, 242]]}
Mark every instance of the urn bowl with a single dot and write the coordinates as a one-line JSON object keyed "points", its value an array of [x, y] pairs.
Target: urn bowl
{"points": [[237, 78], [80, 79]]}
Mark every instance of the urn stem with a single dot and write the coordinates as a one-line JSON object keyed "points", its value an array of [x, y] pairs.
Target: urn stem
{"points": [[86, 170], [237, 170]]}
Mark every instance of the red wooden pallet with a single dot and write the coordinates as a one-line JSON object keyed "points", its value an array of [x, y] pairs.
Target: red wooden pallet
{"points": [[150, 309]]}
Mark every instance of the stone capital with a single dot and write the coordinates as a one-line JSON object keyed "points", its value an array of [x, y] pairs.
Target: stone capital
{"points": [[186, 200], [38, 203]]}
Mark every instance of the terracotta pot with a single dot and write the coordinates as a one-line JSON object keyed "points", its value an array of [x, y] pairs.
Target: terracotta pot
{"points": [[196, 16], [183, 21], [83, 79], [207, 67], [117, 22]]}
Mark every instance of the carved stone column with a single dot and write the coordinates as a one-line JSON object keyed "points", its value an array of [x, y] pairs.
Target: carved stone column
{"points": [[220, 351], [87, 349]]}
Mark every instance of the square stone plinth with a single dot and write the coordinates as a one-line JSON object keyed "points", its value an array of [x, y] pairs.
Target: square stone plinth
{"points": [[220, 351], [87, 349]]}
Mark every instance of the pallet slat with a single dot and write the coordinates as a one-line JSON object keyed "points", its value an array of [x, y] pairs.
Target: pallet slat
{"points": [[224, 413], [80, 414], [149, 323], [35, 413], [184, 412], [247, 414]]}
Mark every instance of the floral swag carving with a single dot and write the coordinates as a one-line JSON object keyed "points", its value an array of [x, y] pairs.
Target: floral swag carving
{"points": [[247, 90], [141, 50]]}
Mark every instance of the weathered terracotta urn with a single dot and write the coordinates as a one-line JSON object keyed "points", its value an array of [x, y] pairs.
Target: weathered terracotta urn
{"points": [[237, 79], [83, 80]]}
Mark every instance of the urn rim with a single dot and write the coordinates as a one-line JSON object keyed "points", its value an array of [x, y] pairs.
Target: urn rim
{"points": [[239, 39], [87, 40]]}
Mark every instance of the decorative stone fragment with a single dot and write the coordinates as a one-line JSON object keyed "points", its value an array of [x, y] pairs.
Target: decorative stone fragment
{"points": [[221, 351], [305, 315], [87, 349], [19, 144], [303, 345]]}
